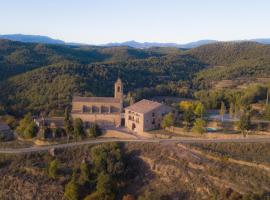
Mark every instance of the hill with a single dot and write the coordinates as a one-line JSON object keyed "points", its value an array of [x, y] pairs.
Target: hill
{"points": [[232, 60], [51, 88], [37, 77], [152, 171], [18, 57], [31, 39]]}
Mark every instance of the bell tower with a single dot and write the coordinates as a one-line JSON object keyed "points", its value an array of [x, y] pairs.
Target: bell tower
{"points": [[118, 89], [118, 92]]}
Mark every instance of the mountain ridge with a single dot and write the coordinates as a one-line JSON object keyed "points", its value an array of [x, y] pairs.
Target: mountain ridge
{"points": [[131, 43]]}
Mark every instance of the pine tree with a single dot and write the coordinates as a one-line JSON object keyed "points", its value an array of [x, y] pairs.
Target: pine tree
{"points": [[222, 110]]}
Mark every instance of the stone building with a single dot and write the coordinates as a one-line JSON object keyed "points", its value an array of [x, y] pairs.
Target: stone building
{"points": [[104, 111], [50, 127], [5, 132], [145, 115]]}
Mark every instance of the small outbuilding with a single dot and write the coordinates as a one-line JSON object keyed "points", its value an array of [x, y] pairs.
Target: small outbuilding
{"points": [[5, 132]]}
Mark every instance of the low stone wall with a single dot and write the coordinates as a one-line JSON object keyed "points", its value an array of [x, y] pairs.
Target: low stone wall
{"points": [[103, 120]]}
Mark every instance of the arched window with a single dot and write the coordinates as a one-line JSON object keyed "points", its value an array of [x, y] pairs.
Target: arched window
{"points": [[118, 89]]}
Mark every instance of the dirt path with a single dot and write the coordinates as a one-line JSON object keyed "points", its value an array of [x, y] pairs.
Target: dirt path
{"points": [[98, 141]]}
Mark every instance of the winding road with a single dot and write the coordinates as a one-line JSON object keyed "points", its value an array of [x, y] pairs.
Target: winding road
{"points": [[98, 141]]}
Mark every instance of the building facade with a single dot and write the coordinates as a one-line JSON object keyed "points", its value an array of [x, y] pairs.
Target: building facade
{"points": [[145, 115], [5, 132], [104, 111]]}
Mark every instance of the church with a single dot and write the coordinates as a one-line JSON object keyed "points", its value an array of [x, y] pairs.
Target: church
{"points": [[104, 111]]}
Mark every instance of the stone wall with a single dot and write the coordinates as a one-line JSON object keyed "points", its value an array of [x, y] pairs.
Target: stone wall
{"points": [[153, 119], [140, 122], [103, 120]]}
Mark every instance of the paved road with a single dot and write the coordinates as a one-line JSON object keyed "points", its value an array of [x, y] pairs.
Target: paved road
{"points": [[98, 141]]}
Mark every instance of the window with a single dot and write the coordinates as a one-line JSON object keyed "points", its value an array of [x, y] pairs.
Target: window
{"points": [[118, 89], [153, 114]]}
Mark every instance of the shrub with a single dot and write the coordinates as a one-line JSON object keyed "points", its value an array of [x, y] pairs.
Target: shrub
{"points": [[84, 174], [72, 190], [78, 128], [30, 131], [53, 167], [27, 127], [199, 126], [168, 120], [94, 131]]}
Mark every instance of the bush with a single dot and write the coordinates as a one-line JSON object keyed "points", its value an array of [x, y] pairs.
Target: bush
{"points": [[94, 131], [199, 126], [30, 131], [168, 120], [78, 128], [27, 127], [72, 190], [85, 174], [105, 186], [244, 123], [53, 167]]}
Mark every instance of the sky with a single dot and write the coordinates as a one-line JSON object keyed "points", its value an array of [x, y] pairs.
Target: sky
{"points": [[103, 21]]}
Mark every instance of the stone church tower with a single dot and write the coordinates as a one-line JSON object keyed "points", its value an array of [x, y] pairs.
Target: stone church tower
{"points": [[118, 91]]}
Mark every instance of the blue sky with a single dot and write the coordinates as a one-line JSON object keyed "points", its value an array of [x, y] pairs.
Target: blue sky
{"points": [[102, 21]]}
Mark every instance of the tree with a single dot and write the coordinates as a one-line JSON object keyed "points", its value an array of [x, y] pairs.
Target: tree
{"points": [[267, 112], [222, 110], [53, 167], [72, 190], [104, 186], [27, 127], [245, 123], [78, 128], [94, 131], [232, 109], [168, 120], [31, 130], [185, 105], [108, 158], [68, 123], [84, 174], [188, 116], [200, 110], [199, 126]]}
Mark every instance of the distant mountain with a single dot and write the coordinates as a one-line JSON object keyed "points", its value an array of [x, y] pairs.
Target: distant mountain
{"points": [[197, 44], [144, 45], [31, 38], [262, 40], [132, 43]]}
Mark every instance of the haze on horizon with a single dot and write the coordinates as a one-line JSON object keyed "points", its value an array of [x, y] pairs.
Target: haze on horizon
{"points": [[104, 21]]}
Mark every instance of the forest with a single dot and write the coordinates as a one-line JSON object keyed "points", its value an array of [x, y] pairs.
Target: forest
{"points": [[43, 77]]}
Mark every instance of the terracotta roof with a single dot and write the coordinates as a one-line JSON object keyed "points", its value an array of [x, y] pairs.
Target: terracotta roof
{"points": [[3, 126], [144, 106], [96, 99]]}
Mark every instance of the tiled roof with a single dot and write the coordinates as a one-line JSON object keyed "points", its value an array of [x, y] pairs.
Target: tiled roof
{"points": [[96, 99], [144, 106]]}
